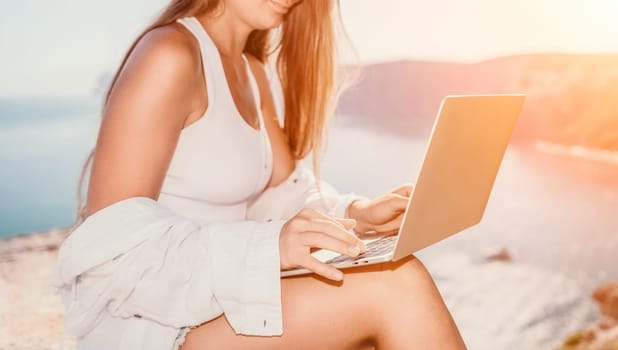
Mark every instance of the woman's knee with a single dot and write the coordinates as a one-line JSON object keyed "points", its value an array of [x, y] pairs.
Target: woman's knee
{"points": [[408, 291], [413, 309], [391, 281], [407, 273]]}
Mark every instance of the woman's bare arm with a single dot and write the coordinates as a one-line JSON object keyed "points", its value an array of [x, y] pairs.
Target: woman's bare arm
{"points": [[155, 93]]}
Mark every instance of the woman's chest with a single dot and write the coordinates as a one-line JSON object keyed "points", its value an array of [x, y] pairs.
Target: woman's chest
{"points": [[219, 161]]}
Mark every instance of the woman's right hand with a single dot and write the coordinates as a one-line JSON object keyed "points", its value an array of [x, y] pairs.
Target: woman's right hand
{"points": [[310, 229]]}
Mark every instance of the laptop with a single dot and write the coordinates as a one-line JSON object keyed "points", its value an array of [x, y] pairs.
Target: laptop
{"points": [[466, 147]]}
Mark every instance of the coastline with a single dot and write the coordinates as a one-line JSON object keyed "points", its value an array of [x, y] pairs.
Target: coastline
{"points": [[597, 154], [48, 240]]}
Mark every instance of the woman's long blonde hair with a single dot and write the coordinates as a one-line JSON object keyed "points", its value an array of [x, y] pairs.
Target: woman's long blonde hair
{"points": [[306, 63]]}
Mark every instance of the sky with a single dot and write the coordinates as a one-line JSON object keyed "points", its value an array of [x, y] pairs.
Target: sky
{"points": [[62, 47]]}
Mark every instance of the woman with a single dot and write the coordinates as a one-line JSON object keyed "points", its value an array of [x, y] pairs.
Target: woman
{"points": [[189, 119]]}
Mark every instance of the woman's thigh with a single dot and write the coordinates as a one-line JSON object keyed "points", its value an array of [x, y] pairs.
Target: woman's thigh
{"points": [[387, 303]]}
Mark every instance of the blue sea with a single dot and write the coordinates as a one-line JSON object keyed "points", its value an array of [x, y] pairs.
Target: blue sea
{"points": [[43, 143]]}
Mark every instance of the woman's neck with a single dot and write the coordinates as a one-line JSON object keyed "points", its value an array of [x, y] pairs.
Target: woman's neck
{"points": [[228, 32]]}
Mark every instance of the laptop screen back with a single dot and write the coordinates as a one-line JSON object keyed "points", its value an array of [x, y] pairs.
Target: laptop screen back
{"points": [[466, 148]]}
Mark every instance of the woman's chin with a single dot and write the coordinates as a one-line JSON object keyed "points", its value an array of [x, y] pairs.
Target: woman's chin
{"points": [[269, 22]]}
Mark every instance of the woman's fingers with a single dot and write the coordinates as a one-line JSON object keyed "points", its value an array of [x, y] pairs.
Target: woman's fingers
{"points": [[322, 269], [325, 241], [399, 201], [404, 190], [318, 230], [326, 221], [328, 227], [391, 226], [347, 224]]}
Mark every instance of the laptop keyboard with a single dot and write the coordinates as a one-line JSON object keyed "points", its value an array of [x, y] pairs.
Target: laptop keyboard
{"points": [[376, 248]]}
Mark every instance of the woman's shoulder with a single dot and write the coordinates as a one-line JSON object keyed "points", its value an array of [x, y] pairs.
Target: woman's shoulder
{"points": [[168, 62], [169, 46]]}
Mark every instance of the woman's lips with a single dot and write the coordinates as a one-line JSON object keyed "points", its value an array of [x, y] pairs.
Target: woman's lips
{"points": [[279, 6]]}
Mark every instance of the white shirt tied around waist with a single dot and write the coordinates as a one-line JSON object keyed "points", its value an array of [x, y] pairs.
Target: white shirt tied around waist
{"points": [[134, 274]]}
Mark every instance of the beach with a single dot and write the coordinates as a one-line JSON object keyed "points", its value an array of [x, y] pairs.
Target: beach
{"points": [[30, 314], [513, 295]]}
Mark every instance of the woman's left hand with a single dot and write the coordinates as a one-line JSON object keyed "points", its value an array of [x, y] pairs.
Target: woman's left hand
{"points": [[382, 215]]}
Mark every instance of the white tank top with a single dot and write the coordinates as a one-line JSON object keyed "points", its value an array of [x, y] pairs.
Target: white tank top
{"points": [[220, 161]]}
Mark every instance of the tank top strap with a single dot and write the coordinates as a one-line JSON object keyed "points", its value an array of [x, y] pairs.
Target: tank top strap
{"points": [[216, 80], [211, 60]]}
